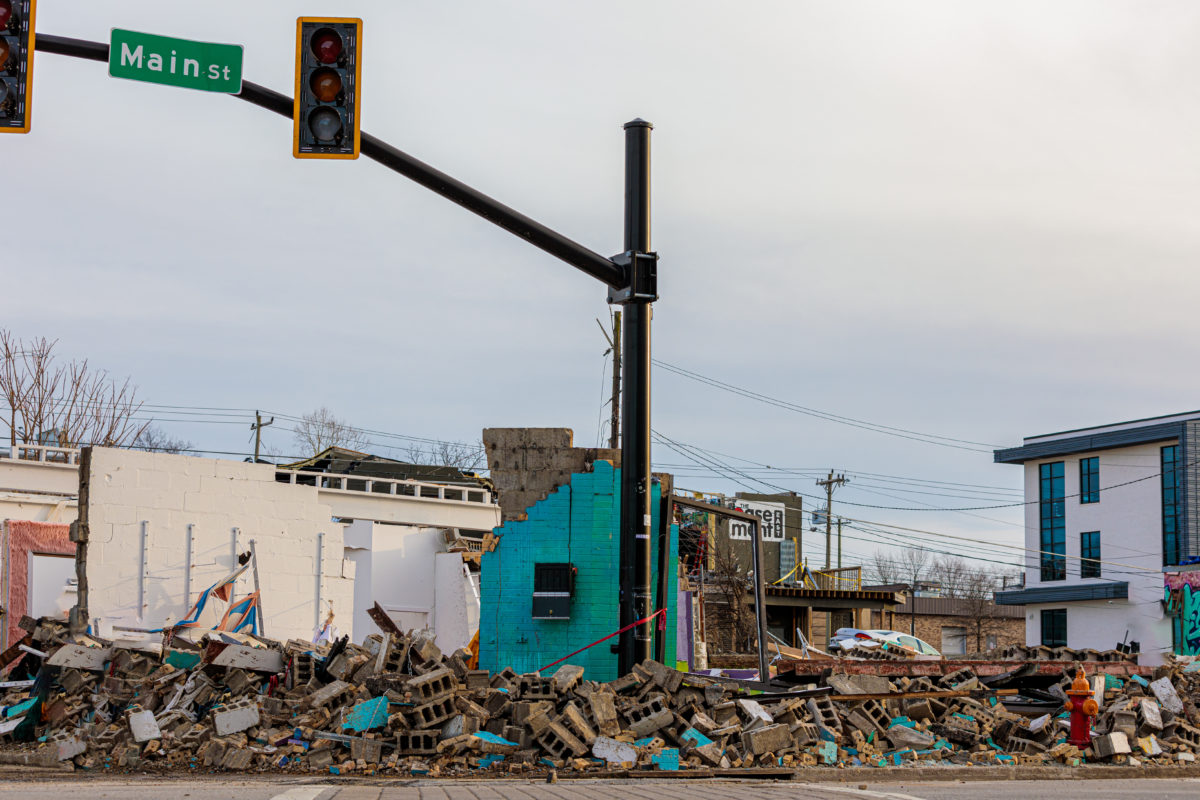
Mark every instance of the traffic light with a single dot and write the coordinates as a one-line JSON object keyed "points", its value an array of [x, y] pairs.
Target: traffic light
{"points": [[16, 64], [325, 115]]}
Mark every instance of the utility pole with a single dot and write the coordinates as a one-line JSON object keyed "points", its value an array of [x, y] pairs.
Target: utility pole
{"points": [[257, 427], [614, 426], [839, 542], [828, 485]]}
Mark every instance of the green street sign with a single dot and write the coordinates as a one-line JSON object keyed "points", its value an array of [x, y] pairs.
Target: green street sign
{"points": [[175, 62]]}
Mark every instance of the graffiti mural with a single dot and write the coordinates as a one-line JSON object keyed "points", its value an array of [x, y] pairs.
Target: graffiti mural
{"points": [[1181, 596]]}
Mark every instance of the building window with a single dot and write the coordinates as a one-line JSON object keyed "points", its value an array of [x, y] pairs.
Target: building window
{"points": [[992, 641], [954, 641], [1089, 480], [1170, 504], [1089, 553], [553, 585], [1053, 522], [1054, 627]]}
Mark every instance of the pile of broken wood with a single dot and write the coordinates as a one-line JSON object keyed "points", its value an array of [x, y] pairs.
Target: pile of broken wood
{"points": [[397, 704]]}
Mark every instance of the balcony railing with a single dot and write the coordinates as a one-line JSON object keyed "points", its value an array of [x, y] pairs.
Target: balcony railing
{"points": [[415, 490], [40, 454]]}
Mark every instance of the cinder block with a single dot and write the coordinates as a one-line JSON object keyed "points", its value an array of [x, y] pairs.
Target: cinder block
{"points": [[767, 739], [1110, 744], [235, 717], [143, 726], [604, 712]]}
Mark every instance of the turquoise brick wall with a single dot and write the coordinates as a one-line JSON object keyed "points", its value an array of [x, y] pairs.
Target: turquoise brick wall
{"points": [[577, 523]]}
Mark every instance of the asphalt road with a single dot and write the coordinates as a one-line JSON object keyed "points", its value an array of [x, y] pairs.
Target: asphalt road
{"points": [[146, 788]]}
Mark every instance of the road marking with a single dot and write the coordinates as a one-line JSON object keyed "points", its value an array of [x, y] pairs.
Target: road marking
{"points": [[824, 787], [301, 793]]}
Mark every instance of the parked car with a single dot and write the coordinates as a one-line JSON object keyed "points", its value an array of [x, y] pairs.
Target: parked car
{"points": [[846, 638]]}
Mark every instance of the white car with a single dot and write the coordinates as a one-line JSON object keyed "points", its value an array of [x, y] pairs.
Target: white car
{"points": [[846, 638]]}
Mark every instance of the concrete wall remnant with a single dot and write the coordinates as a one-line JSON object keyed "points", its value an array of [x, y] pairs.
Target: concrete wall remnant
{"points": [[577, 523], [526, 464], [157, 519]]}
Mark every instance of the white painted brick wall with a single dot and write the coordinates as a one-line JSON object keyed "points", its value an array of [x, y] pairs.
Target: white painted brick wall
{"points": [[214, 496]]}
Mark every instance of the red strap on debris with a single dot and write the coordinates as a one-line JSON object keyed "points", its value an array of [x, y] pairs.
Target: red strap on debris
{"points": [[662, 624]]}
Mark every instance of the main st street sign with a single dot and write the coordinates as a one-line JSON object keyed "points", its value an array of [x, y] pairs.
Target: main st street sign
{"points": [[175, 62]]}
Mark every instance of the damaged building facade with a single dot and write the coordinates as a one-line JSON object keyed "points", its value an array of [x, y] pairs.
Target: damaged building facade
{"points": [[162, 528]]}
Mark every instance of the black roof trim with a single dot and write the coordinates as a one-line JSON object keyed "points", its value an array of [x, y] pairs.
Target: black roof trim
{"points": [[1114, 590], [1083, 444]]}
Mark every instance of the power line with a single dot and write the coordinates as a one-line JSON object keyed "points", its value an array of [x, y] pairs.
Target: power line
{"points": [[903, 433]]}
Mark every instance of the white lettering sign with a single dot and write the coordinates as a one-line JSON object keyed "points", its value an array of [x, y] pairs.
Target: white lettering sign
{"points": [[770, 525]]}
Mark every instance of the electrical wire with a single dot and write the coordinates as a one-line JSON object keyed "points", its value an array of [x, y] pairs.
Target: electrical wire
{"points": [[903, 433]]}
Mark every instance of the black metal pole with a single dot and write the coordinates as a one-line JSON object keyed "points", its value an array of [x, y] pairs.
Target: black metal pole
{"points": [[513, 221], [760, 601], [634, 645]]}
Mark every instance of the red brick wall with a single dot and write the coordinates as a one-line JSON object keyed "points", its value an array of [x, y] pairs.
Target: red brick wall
{"points": [[1007, 630], [23, 537]]}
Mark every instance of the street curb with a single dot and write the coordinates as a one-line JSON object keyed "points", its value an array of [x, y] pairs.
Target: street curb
{"points": [[1024, 772]]}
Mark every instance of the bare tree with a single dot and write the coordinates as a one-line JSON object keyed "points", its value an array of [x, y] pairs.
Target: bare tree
{"points": [[155, 440], [731, 580], [460, 455], [320, 429], [65, 404], [954, 574], [974, 588], [886, 567], [912, 564]]}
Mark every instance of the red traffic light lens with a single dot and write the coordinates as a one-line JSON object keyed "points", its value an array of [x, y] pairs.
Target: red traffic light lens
{"points": [[326, 44], [325, 84], [5, 12], [325, 124]]}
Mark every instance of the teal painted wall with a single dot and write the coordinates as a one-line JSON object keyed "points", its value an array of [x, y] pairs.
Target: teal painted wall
{"points": [[577, 523]]}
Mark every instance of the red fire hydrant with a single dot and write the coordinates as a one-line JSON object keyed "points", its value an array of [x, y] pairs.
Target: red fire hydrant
{"points": [[1083, 707]]}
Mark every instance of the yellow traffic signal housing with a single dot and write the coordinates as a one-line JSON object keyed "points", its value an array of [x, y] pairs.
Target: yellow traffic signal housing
{"points": [[16, 64], [325, 115]]}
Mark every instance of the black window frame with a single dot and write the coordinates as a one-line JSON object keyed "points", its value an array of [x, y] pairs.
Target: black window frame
{"points": [[1089, 554], [554, 577], [1053, 521], [1170, 504], [1089, 480], [1054, 620]]}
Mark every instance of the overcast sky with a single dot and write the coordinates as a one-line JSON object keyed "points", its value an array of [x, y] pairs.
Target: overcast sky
{"points": [[965, 219]]}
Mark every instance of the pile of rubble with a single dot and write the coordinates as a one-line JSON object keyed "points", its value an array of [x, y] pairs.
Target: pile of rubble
{"points": [[397, 704]]}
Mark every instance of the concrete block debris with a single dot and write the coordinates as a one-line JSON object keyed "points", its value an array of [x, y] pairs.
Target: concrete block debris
{"points": [[397, 705]]}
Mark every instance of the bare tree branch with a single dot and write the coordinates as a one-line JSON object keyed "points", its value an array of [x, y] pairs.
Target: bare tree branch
{"points": [[320, 430], [155, 440], [461, 455], [64, 404]]}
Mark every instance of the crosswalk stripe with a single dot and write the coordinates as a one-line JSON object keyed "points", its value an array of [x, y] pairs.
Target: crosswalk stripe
{"points": [[824, 787], [301, 793]]}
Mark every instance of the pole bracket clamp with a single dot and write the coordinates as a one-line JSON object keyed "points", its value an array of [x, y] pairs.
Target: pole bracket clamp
{"points": [[641, 278]]}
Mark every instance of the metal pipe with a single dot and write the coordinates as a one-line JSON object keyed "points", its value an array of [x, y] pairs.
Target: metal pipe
{"points": [[513, 221], [760, 600], [187, 569], [634, 645], [320, 575], [142, 571]]}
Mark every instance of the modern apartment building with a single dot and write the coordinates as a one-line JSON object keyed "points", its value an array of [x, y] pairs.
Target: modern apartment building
{"points": [[1112, 524]]}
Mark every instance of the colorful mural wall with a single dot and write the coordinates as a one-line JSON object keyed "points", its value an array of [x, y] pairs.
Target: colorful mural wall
{"points": [[1181, 596]]}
